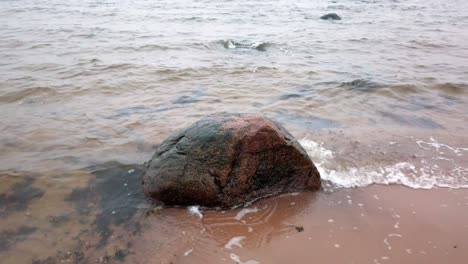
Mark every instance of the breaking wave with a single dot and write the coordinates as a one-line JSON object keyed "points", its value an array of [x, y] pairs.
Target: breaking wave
{"points": [[422, 175]]}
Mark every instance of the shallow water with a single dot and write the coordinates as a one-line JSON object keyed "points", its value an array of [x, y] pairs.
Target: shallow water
{"points": [[88, 88]]}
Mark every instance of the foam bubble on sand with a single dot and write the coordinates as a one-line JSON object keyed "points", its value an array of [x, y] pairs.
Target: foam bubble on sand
{"points": [[235, 241], [195, 210], [424, 176], [188, 252], [236, 259], [389, 247], [244, 212]]}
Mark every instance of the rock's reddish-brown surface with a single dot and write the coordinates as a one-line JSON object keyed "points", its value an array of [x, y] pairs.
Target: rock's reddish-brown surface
{"points": [[227, 159]]}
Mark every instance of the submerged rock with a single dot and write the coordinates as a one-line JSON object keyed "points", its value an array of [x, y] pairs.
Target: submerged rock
{"points": [[260, 46], [331, 16], [228, 159]]}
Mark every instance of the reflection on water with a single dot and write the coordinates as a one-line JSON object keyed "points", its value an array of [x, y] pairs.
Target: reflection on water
{"points": [[88, 88]]}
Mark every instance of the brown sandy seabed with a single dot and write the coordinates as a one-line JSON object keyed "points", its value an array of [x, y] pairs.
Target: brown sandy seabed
{"points": [[88, 218]]}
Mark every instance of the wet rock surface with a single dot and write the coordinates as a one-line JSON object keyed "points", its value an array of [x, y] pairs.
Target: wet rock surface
{"points": [[228, 159]]}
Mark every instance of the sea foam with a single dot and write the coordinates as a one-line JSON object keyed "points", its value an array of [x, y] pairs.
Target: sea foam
{"points": [[423, 176]]}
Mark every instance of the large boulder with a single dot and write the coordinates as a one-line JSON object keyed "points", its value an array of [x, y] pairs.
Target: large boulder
{"points": [[227, 159]]}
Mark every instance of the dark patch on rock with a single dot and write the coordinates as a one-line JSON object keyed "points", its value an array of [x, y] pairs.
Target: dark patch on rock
{"points": [[114, 193], [22, 194], [228, 159], [9, 238], [331, 16], [58, 220], [120, 255], [49, 260], [76, 255]]}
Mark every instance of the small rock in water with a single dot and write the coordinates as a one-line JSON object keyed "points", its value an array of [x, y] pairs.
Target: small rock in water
{"points": [[299, 228], [331, 16]]}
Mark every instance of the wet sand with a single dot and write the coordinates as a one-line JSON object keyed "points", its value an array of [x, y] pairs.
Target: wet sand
{"points": [[371, 225], [376, 224]]}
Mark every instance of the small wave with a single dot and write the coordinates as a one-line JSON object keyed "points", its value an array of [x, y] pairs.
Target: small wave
{"points": [[306, 121], [86, 36], [430, 44], [404, 89], [452, 88], [23, 94], [358, 39], [38, 46], [148, 47], [392, 90], [411, 120], [97, 69], [361, 85], [259, 45], [119, 66], [425, 176]]}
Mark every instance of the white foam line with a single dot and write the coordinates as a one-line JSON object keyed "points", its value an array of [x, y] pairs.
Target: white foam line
{"points": [[402, 173], [245, 211], [433, 143]]}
